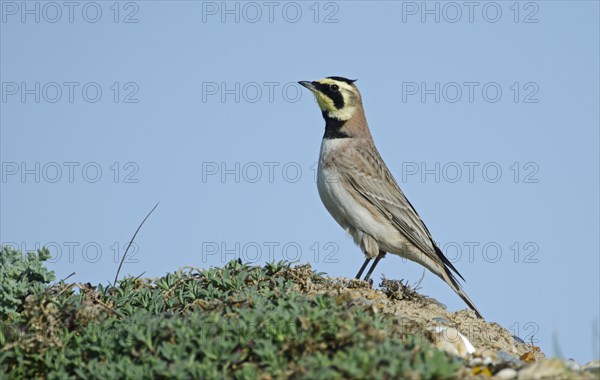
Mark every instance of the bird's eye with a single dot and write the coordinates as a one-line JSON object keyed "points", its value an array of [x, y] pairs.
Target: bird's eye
{"points": [[335, 87]]}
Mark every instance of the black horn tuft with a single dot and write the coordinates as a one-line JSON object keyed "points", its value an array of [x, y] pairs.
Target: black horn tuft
{"points": [[342, 79]]}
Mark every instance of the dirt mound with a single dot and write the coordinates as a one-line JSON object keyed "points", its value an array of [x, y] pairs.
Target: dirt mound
{"points": [[416, 312]]}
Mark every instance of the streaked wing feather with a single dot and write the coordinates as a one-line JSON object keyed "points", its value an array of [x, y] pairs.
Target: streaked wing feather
{"points": [[369, 176]]}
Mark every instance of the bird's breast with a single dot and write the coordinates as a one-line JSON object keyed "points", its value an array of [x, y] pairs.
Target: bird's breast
{"points": [[334, 196], [341, 202]]}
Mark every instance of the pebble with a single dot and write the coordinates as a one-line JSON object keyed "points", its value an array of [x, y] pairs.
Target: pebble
{"points": [[519, 340], [451, 340], [441, 320], [506, 374], [507, 358], [572, 365], [544, 369]]}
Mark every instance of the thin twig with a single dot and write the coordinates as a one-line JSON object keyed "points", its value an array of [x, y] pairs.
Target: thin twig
{"points": [[64, 279], [417, 285], [68, 287], [140, 276], [131, 242]]}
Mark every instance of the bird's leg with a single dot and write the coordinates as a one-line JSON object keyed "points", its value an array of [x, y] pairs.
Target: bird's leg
{"points": [[362, 269], [379, 257]]}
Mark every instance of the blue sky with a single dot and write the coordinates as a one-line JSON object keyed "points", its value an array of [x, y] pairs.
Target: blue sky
{"points": [[487, 114]]}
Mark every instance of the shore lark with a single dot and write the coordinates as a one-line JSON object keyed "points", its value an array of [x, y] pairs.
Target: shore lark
{"points": [[361, 194]]}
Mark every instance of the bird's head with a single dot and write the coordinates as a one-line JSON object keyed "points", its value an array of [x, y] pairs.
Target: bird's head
{"points": [[338, 97]]}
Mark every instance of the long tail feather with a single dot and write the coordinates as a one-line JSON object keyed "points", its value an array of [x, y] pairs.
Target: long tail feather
{"points": [[449, 278]]}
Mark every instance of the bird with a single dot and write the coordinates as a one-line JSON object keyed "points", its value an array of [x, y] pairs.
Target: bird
{"points": [[361, 194]]}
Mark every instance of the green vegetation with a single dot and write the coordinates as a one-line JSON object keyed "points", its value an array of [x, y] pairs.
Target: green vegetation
{"points": [[239, 321], [21, 275]]}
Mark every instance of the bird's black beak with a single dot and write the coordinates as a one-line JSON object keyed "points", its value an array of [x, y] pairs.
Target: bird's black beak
{"points": [[308, 85]]}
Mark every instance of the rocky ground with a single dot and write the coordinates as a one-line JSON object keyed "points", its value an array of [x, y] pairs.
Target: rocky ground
{"points": [[488, 349]]}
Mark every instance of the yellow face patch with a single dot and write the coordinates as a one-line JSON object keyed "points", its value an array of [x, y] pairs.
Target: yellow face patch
{"points": [[325, 102]]}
